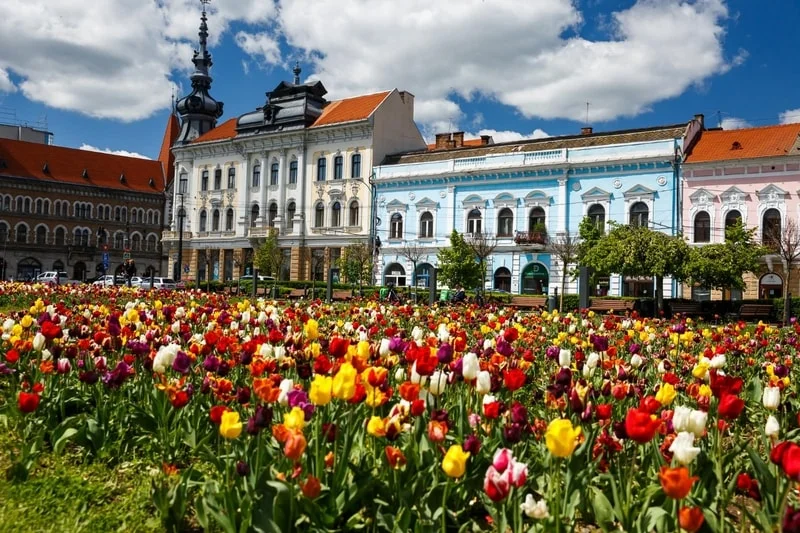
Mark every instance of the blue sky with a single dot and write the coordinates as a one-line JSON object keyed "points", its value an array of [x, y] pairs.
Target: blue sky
{"points": [[102, 74]]}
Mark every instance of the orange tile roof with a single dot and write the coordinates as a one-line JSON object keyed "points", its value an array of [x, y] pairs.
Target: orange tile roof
{"points": [[350, 109], [165, 155], [749, 143], [226, 130], [20, 159], [467, 142]]}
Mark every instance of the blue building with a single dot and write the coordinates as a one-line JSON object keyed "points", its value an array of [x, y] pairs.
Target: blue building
{"points": [[527, 195]]}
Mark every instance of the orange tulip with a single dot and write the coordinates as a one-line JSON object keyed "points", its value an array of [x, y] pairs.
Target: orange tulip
{"points": [[437, 431], [295, 446], [691, 518], [311, 487], [395, 457], [676, 482]]}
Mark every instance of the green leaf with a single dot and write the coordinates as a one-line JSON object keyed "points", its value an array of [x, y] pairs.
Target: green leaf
{"points": [[603, 513], [63, 439]]}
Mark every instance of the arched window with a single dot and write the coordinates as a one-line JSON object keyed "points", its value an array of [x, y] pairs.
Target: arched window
{"points": [[732, 217], [502, 279], [273, 174], [396, 226], [119, 241], [771, 228], [639, 215], [217, 179], [41, 235], [22, 233], [46, 206], [124, 214], [256, 176], [597, 214], [215, 220], [152, 243], [321, 163], [536, 220], [336, 215], [229, 220], [39, 206], [254, 211], [18, 204], [293, 172], [273, 214], [61, 236], [232, 178], [27, 205], [203, 220], [204, 180], [395, 274], [338, 167], [4, 233], [426, 225], [352, 219], [77, 236], [505, 223], [319, 215], [355, 166], [290, 211], [475, 221], [702, 227], [136, 242]]}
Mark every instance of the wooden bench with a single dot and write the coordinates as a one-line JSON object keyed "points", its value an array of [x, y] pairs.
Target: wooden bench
{"points": [[754, 311], [608, 305], [342, 295], [684, 308], [529, 302], [296, 294], [261, 291]]}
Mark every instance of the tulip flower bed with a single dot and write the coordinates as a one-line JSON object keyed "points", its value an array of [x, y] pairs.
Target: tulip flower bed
{"points": [[253, 416]]}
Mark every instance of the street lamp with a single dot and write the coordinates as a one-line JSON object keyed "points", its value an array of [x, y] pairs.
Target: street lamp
{"points": [[181, 214]]}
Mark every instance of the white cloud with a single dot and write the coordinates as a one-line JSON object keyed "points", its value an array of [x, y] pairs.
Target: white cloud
{"points": [[790, 116], [509, 136], [6, 85], [125, 153], [438, 49], [259, 46], [112, 59], [734, 123]]}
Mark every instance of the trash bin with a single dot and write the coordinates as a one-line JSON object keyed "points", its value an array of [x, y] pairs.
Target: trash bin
{"points": [[444, 296], [384, 293]]}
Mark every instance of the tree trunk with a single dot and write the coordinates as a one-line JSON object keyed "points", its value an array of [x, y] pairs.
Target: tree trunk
{"points": [[787, 300], [659, 295], [563, 284]]}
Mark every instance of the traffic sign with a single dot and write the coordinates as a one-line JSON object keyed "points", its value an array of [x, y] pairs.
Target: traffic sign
{"points": [[126, 256], [185, 269]]}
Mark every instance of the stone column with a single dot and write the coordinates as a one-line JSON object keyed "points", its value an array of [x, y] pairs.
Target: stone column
{"points": [[561, 228]]}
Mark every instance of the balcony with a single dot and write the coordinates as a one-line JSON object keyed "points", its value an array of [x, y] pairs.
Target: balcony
{"points": [[174, 235], [533, 239], [262, 231]]}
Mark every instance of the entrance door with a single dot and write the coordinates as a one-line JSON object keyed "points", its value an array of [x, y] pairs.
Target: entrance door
{"points": [[535, 279]]}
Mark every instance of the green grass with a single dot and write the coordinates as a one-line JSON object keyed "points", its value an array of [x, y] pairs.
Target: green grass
{"points": [[63, 495]]}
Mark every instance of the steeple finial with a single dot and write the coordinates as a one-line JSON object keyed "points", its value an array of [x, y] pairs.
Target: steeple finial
{"points": [[296, 70]]}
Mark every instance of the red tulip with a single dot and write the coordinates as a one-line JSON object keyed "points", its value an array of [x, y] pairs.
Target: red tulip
{"points": [[691, 518], [513, 379], [641, 426], [730, 406], [28, 401]]}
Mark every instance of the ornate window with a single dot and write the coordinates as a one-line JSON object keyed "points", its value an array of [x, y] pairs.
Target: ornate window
{"points": [[336, 215], [426, 225], [293, 172], [273, 173], [204, 180], [256, 182], [771, 227], [273, 214], [355, 166], [229, 220], [41, 235], [203, 220], [22, 233], [254, 210], [353, 214], [505, 223], [702, 227], [217, 179], [536, 219], [597, 214], [232, 178], [215, 220], [321, 166], [319, 215], [639, 214], [475, 221], [61, 237], [732, 217], [396, 226], [290, 211], [338, 167]]}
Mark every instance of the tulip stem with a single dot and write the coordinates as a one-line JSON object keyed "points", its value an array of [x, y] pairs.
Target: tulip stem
{"points": [[444, 506]]}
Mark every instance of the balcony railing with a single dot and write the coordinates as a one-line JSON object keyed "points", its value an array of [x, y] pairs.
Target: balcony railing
{"points": [[531, 238], [174, 235], [262, 231]]}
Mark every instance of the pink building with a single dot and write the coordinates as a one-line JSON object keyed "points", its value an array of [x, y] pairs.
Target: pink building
{"points": [[750, 174]]}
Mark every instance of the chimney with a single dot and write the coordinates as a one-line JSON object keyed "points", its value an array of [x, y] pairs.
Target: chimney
{"points": [[441, 141], [458, 138], [586, 130], [701, 120], [450, 144], [486, 140]]}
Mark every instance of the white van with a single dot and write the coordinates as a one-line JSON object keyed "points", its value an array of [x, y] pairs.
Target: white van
{"points": [[52, 277]]}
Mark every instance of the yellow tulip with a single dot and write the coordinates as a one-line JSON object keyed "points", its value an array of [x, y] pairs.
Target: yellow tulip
{"points": [[230, 427], [295, 419], [704, 390], [26, 321], [666, 394], [561, 437], [344, 382], [454, 463], [311, 329], [321, 390], [376, 427]]}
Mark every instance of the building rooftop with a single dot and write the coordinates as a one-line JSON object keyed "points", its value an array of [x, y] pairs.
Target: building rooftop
{"points": [[748, 143], [548, 143], [57, 164], [165, 155]]}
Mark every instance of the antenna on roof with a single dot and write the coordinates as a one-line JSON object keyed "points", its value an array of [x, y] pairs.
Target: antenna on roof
{"points": [[719, 119], [174, 109], [587, 113]]}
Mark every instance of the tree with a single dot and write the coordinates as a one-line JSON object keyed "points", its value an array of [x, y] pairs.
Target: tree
{"points": [[640, 251], [413, 251], [721, 266], [457, 264], [482, 245], [785, 243], [269, 257], [356, 264], [589, 233], [565, 248]]}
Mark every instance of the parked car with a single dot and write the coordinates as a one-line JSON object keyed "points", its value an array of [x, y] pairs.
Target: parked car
{"points": [[249, 277], [55, 278], [158, 283], [109, 281]]}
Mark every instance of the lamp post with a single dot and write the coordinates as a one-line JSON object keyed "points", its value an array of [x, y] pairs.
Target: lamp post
{"points": [[181, 214]]}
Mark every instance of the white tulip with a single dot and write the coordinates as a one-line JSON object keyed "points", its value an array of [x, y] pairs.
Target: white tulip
{"points": [[165, 357], [683, 449], [285, 387], [697, 422], [383, 349], [483, 383], [400, 374], [534, 509], [266, 350], [416, 333], [772, 428], [593, 360], [680, 418], [470, 366], [771, 398], [438, 382], [38, 342], [564, 357], [280, 352], [718, 361], [636, 360]]}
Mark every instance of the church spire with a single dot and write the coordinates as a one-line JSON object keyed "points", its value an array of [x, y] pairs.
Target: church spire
{"points": [[198, 110]]}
